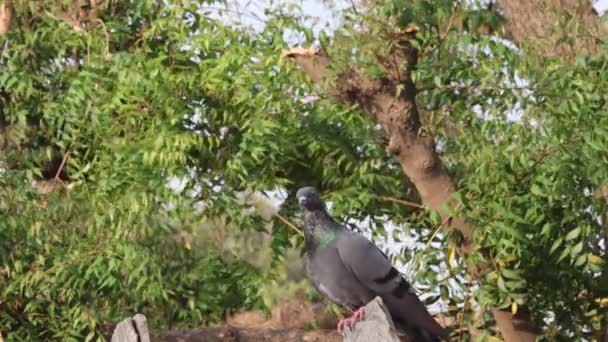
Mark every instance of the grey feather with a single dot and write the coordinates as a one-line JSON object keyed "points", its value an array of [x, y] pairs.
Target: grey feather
{"points": [[351, 271]]}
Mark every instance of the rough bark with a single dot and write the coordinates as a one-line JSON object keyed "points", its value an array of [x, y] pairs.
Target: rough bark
{"points": [[537, 22], [517, 327], [415, 150], [6, 16]]}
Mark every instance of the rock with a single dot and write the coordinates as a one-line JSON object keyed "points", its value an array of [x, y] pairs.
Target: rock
{"points": [[132, 330], [141, 324], [376, 325]]}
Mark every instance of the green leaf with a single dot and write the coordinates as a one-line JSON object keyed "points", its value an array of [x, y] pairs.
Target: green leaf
{"points": [[577, 249], [511, 274], [556, 245], [501, 284], [573, 234], [581, 260]]}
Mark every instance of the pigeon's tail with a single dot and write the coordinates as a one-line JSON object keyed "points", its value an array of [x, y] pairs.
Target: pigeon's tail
{"points": [[431, 338], [410, 311]]}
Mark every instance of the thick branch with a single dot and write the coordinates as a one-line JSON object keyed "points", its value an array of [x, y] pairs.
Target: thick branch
{"points": [[6, 16]]}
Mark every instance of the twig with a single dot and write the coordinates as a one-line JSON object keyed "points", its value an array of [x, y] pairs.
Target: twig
{"points": [[105, 31], [441, 37], [237, 13], [416, 259], [401, 201], [445, 220], [462, 313], [283, 219], [449, 27], [65, 158], [289, 224]]}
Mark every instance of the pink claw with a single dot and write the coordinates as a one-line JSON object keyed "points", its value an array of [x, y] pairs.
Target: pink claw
{"points": [[350, 322]]}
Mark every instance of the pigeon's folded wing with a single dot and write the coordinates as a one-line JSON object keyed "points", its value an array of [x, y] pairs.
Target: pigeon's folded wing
{"points": [[373, 269], [370, 265]]}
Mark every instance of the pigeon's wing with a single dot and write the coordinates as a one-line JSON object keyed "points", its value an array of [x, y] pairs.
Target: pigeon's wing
{"points": [[328, 291], [370, 265], [334, 280], [374, 270]]}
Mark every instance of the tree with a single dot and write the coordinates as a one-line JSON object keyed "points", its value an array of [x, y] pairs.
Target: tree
{"points": [[97, 107], [389, 97], [103, 102]]}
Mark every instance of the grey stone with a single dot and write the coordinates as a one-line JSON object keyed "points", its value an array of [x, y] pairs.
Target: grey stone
{"points": [[377, 325]]}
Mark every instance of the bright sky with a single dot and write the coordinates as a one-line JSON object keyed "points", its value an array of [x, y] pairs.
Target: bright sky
{"points": [[325, 12], [601, 6]]}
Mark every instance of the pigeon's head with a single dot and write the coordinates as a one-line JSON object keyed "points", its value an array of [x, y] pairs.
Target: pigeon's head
{"points": [[308, 199]]}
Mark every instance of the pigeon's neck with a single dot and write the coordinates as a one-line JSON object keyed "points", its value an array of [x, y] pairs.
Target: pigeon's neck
{"points": [[320, 229]]}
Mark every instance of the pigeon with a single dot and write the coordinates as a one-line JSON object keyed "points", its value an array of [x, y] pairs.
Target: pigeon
{"points": [[351, 271]]}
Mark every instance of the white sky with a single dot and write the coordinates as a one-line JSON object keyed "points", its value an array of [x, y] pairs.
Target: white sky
{"points": [[325, 12], [601, 6]]}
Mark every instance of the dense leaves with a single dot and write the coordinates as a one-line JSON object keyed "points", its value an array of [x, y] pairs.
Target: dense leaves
{"points": [[143, 94]]}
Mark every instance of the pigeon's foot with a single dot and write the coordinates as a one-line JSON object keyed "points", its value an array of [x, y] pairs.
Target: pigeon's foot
{"points": [[350, 322]]}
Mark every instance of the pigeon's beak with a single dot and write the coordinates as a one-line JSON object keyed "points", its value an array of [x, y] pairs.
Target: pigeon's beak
{"points": [[301, 200]]}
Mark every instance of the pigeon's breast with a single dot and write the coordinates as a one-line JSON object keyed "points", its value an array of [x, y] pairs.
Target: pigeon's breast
{"points": [[334, 280]]}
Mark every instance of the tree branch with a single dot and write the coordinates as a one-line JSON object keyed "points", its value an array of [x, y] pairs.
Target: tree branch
{"points": [[6, 16], [401, 201]]}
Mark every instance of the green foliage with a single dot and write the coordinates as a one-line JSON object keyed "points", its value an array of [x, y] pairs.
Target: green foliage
{"points": [[151, 92], [76, 264], [524, 136], [128, 101]]}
